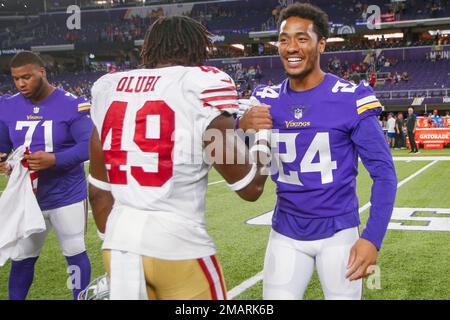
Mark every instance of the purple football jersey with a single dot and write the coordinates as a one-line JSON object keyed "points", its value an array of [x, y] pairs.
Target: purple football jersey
{"points": [[60, 124], [316, 156]]}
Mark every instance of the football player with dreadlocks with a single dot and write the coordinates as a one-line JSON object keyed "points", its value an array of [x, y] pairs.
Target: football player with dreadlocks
{"points": [[148, 174]]}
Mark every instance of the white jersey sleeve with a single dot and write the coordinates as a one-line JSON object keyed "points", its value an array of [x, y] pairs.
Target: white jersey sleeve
{"points": [[99, 103], [151, 124], [215, 89]]}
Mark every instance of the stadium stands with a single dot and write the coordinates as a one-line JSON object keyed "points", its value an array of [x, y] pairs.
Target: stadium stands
{"points": [[427, 78], [122, 25], [228, 17], [78, 83]]}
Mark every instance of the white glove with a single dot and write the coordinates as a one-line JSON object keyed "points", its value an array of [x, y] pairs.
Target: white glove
{"points": [[246, 104]]}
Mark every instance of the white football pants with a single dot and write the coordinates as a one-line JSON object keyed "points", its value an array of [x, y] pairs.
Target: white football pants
{"points": [[289, 265], [70, 225]]}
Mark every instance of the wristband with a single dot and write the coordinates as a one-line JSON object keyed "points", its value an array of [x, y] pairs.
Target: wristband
{"points": [[260, 148], [105, 186], [263, 135], [241, 184], [101, 235]]}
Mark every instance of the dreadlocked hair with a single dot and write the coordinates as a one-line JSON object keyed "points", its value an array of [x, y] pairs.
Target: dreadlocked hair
{"points": [[176, 40]]}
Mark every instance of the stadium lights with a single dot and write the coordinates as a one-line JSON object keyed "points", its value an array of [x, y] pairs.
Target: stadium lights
{"points": [[398, 35], [441, 32], [238, 46], [336, 39]]}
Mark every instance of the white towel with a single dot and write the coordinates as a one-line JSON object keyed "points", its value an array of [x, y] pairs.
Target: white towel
{"points": [[20, 215], [127, 280]]}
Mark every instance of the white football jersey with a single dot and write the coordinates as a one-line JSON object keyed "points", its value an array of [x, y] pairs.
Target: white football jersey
{"points": [[151, 124]]}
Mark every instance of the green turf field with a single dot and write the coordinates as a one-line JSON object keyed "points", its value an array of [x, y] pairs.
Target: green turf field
{"points": [[413, 264]]}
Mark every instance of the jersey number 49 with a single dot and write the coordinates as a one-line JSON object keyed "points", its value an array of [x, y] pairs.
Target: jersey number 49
{"points": [[161, 144]]}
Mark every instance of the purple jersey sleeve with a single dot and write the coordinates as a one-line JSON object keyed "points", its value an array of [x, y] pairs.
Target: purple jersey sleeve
{"points": [[80, 126], [367, 103], [331, 124], [376, 157], [5, 141]]}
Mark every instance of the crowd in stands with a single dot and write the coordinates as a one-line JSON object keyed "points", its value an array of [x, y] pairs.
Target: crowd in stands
{"points": [[80, 89], [350, 44], [365, 70], [397, 78], [382, 73], [221, 17], [245, 78], [46, 30], [211, 12], [357, 43], [391, 10], [129, 29], [79, 83], [232, 17], [28, 7]]}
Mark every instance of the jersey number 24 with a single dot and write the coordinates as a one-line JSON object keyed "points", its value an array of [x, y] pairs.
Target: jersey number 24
{"points": [[320, 144]]}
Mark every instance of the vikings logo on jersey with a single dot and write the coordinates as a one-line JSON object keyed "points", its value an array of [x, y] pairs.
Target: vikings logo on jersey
{"points": [[313, 152]]}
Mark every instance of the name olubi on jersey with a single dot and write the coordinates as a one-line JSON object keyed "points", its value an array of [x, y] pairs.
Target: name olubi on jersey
{"points": [[140, 84]]}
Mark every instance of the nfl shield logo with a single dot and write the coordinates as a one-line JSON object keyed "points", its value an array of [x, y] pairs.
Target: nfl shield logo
{"points": [[298, 113], [36, 110]]}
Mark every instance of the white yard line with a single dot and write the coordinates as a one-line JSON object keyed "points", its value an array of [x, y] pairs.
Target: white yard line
{"points": [[412, 158], [236, 291], [233, 293], [401, 183]]}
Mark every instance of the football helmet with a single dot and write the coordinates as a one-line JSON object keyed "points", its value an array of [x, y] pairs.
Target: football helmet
{"points": [[98, 289]]}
